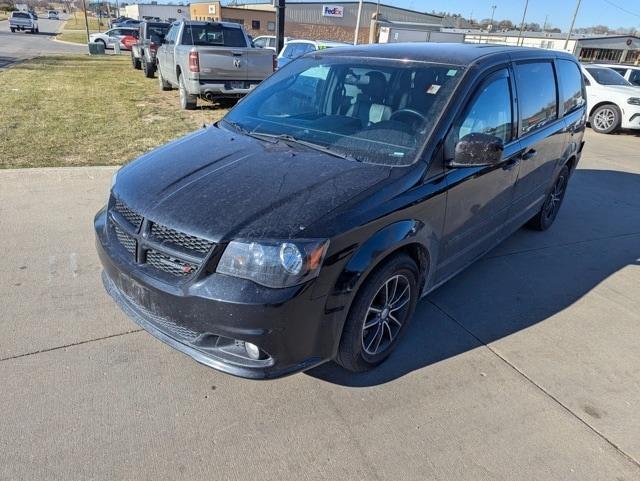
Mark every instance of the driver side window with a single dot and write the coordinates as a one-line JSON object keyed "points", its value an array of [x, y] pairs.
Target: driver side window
{"points": [[489, 112]]}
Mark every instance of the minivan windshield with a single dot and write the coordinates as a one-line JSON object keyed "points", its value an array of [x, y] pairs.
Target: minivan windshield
{"points": [[606, 76], [373, 110]]}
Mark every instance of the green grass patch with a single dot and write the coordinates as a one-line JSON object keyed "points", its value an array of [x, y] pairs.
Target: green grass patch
{"points": [[75, 36], [86, 110], [77, 23]]}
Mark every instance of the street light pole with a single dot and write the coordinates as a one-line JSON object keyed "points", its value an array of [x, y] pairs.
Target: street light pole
{"points": [[355, 37], [524, 14], [573, 21]]}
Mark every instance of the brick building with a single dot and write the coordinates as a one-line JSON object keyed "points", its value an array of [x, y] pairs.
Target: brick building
{"points": [[311, 20]]}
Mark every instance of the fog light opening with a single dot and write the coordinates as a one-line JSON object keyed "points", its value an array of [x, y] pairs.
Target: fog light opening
{"points": [[253, 351]]}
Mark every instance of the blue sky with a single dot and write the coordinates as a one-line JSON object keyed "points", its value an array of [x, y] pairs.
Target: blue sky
{"points": [[606, 12]]}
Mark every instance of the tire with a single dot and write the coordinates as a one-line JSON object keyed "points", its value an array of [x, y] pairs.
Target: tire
{"points": [[551, 206], [164, 85], [38, 30], [187, 101], [363, 348], [148, 69], [104, 44], [135, 63], [13, 30], [606, 119]]}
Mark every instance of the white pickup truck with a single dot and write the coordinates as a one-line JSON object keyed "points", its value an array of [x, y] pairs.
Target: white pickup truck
{"points": [[23, 21], [211, 60]]}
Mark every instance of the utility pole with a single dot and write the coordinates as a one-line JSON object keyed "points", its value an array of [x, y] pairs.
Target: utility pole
{"points": [[493, 12], [355, 36], [573, 21], [524, 15], [86, 21], [544, 26], [280, 7]]}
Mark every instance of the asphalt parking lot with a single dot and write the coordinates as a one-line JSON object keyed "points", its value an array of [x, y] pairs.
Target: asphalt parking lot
{"points": [[525, 367]]}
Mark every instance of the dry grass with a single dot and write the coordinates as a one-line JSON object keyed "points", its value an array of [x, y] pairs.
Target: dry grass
{"points": [[82, 110], [75, 30]]}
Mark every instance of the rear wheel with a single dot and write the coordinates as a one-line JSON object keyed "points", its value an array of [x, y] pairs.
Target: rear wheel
{"points": [[104, 44], [379, 315], [135, 63], [13, 30], [606, 119], [549, 210], [187, 101]]}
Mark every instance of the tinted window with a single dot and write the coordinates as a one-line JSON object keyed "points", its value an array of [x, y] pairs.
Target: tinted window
{"points": [[606, 76], [571, 80], [20, 15], [157, 29], [537, 94], [634, 77], [213, 35], [490, 112]]}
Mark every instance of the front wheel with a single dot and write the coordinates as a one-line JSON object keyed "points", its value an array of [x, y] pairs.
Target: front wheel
{"points": [[606, 119], [104, 44], [549, 210], [379, 315], [13, 30], [187, 101]]}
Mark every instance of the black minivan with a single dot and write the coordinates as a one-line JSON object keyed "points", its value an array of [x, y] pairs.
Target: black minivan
{"points": [[306, 224]]}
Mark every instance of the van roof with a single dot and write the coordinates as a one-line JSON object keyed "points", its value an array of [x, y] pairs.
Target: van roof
{"points": [[449, 53]]}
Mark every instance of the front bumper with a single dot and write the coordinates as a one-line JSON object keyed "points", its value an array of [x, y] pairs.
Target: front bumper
{"points": [[209, 317]]}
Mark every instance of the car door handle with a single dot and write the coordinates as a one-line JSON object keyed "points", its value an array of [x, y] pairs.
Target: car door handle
{"points": [[510, 163], [237, 54], [529, 154]]}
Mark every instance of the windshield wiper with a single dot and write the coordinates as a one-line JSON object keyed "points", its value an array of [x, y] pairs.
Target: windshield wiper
{"points": [[236, 126], [305, 143]]}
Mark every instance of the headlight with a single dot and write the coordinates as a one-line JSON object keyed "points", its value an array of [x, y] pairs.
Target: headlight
{"points": [[633, 100], [274, 263]]}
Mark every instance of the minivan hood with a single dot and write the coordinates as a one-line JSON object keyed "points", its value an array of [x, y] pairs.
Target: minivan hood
{"points": [[221, 185]]}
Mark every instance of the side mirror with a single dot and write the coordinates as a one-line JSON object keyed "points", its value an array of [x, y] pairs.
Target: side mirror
{"points": [[477, 150]]}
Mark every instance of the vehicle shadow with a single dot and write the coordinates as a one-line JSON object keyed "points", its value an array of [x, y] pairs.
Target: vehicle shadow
{"points": [[526, 280]]}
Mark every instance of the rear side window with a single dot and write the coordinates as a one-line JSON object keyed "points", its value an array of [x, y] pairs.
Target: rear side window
{"points": [[213, 35], [571, 80], [634, 77], [158, 30], [537, 95]]}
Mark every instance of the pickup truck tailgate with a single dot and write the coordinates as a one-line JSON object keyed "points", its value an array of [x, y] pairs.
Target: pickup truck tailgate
{"points": [[223, 63], [259, 63]]}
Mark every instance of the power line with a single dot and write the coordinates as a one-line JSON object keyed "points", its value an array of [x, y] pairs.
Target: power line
{"points": [[623, 9]]}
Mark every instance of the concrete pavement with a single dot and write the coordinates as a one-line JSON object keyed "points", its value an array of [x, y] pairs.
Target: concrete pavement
{"points": [[524, 367], [21, 45]]}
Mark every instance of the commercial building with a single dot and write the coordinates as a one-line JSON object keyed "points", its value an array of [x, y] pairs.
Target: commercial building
{"points": [[312, 20], [608, 48], [167, 13]]}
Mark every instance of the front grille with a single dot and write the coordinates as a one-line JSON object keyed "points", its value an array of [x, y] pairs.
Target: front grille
{"points": [[125, 239], [132, 217], [185, 241], [169, 264], [162, 248]]}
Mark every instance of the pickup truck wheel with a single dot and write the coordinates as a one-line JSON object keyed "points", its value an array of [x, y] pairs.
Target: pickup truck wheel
{"points": [[605, 119], [38, 30], [13, 30], [549, 210], [162, 83], [135, 62], [379, 315], [148, 68], [187, 101]]}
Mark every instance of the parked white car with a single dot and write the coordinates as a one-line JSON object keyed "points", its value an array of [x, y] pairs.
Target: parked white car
{"points": [[296, 48], [115, 35], [612, 102], [629, 72], [268, 41]]}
